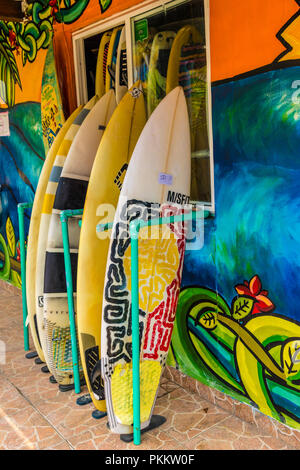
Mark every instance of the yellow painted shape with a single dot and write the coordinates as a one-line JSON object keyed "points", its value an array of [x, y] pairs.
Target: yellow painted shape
{"points": [[262, 327], [37, 209], [158, 263], [115, 150], [122, 390], [292, 36]]}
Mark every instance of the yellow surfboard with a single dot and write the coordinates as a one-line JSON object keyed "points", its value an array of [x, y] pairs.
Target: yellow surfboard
{"points": [[34, 231], [157, 74], [51, 103], [187, 68], [110, 166], [102, 63]]}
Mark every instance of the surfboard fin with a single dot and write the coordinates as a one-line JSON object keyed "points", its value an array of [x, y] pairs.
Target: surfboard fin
{"points": [[156, 421], [94, 372]]}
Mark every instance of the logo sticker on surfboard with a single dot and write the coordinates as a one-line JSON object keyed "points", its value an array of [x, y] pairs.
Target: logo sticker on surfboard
{"points": [[165, 178], [135, 92]]}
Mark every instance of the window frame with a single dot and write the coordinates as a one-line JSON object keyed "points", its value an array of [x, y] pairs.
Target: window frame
{"points": [[126, 18]]}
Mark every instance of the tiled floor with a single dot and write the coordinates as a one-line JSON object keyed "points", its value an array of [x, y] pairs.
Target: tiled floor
{"points": [[34, 414]]}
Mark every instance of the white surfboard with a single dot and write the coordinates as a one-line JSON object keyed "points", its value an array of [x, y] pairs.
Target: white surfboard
{"points": [[157, 183], [70, 194]]}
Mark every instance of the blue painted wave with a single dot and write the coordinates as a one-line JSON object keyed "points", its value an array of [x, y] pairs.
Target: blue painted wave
{"points": [[256, 124], [22, 155]]}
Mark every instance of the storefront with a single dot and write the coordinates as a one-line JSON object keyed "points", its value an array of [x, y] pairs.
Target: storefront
{"points": [[237, 326]]}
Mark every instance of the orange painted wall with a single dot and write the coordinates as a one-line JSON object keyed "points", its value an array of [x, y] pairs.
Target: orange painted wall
{"points": [[242, 36]]}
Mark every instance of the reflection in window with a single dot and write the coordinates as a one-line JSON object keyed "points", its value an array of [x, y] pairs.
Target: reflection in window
{"points": [[169, 50]]}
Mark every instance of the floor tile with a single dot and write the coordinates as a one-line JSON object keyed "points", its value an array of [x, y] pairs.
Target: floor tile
{"points": [[35, 414]]}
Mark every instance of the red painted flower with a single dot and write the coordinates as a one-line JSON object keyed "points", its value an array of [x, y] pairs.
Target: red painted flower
{"points": [[12, 38], [54, 7], [253, 288]]}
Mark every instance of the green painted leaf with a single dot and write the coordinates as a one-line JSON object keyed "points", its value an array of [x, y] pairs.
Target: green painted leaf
{"points": [[209, 320], [291, 359], [9, 74], [241, 307], [11, 239]]}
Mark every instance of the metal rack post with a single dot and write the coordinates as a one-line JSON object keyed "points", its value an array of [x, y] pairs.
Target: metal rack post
{"points": [[22, 206], [64, 217], [134, 228]]}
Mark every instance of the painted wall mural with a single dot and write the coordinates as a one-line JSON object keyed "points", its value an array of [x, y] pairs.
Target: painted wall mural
{"points": [[25, 57], [238, 320], [238, 323]]}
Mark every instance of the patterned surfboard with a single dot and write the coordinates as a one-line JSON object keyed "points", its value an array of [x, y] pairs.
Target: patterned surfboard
{"points": [[157, 183], [51, 103]]}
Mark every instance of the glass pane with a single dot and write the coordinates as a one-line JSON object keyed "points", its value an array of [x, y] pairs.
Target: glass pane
{"points": [[169, 50]]}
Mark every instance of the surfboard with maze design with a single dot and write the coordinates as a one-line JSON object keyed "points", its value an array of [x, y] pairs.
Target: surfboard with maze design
{"points": [[70, 194], [158, 175]]}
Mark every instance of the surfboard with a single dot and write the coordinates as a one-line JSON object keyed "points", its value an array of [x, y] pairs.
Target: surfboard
{"points": [[112, 59], [158, 177], [121, 84], [70, 194], [102, 63], [187, 68], [45, 220], [157, 74], [110, 167], [141, 58], [51, 103], [34, 231]]}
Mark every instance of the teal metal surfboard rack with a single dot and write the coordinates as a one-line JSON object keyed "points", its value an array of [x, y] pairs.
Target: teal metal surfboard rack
{"points": [[22, 206], [64, 217], [134, 228]]}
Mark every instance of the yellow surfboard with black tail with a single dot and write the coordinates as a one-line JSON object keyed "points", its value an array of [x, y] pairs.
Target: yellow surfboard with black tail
{"points": [[110, 166]]}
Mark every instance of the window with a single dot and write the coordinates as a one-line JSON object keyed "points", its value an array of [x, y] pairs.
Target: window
{"points": [[166, 47], [169, 50]]}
